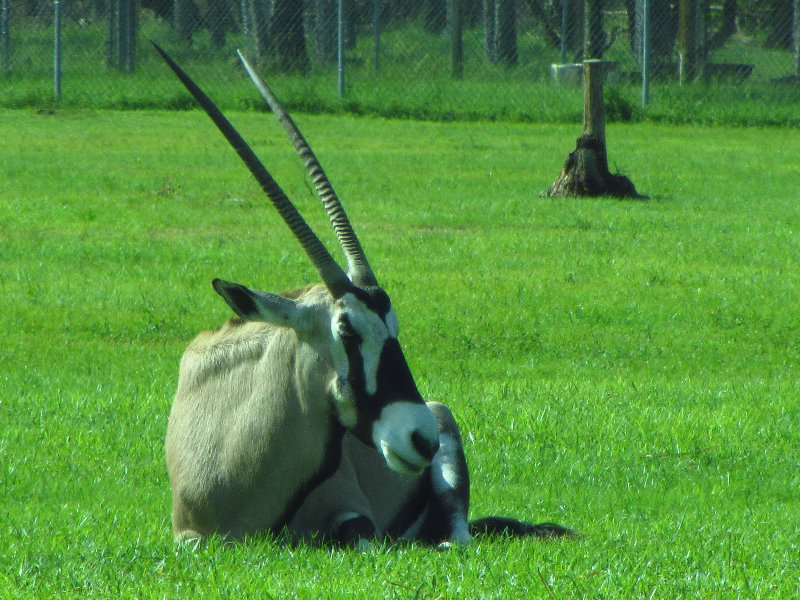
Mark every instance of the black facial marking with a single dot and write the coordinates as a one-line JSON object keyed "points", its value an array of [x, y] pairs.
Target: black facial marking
{"points": [[376, 300], [347, 332], [393, 378], [365, 407], [395, 381], [426, 448], [352, 347]]}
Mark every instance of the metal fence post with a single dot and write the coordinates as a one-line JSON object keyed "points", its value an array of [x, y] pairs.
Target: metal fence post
{"points": [[456, 26], [564, 9], [796, 36], [645, 52], [57, 50], [376, 33], [340, 46]]}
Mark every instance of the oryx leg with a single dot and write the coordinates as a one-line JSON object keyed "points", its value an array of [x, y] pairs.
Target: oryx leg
{"points": [[336, 510], [364, 499], [447, 516]]}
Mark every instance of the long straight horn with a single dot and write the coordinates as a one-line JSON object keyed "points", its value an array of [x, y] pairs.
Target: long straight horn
{"points": [[331, 273], [357, 265]]}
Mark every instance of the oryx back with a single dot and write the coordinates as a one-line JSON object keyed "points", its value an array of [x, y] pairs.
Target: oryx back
{"points": [[250, 429]]}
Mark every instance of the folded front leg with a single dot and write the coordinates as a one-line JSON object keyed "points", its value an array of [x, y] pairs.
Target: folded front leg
{"points": [[336, 510]]}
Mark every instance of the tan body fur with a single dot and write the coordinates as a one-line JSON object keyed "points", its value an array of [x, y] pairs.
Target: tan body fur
{"points": [[236, 453]]}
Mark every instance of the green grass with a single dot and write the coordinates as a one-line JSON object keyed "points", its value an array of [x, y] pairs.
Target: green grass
{"points": [[628, 369]]}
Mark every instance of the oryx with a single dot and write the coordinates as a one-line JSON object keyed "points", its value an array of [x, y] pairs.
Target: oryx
{"points": [[302, 412]]}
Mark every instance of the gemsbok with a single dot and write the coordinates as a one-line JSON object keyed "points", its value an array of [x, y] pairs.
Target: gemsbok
{"points": [[302, 413]]}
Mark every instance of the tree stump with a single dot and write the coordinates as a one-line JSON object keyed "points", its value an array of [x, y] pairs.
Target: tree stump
{"points": [[585, 172]]}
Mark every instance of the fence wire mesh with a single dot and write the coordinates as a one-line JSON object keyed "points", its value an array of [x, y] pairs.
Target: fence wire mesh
{"points": [[445, 58]]}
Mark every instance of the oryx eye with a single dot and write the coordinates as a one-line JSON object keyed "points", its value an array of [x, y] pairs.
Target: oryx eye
{"points": [[346, 331]]}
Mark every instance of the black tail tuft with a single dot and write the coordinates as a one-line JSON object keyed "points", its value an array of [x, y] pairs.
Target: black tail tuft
{"points": [[504, 526]]}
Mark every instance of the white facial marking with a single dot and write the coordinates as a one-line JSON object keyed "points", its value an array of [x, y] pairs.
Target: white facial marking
{"points": [[373, 333], [371, 352], [392, 432], [340, 362], [345, 403]]}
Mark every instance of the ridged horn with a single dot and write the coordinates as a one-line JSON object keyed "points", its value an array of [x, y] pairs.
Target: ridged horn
{"points": [[357, 266], [329, 270]]}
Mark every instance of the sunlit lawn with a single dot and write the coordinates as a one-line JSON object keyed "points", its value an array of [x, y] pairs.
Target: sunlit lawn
{"points": [[629, 369]]}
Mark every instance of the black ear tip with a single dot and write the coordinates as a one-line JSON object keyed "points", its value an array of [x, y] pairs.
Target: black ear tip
{"points": [[229, 290]]}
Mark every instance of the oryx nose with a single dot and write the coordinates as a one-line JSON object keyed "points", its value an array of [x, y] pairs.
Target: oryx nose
{"points": [[426, 447]]}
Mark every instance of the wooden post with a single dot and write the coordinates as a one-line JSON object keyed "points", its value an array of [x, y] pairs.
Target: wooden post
{"points": [[594, 109], [593, 40], [585, 172], [180, 19]]}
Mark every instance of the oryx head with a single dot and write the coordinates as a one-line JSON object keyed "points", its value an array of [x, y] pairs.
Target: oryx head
{"points": [[374, 394]]}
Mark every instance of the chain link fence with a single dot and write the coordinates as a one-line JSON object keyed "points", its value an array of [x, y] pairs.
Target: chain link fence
{"points": [[429, 58]]}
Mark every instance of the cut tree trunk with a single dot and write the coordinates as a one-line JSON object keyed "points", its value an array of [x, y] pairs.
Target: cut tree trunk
{"points": [[585, 172]]}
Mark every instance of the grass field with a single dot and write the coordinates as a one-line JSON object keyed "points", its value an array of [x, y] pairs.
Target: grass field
{"points": [[629, 369]]}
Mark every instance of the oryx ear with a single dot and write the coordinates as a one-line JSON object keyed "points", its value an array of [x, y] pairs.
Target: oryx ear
{"points": [[252, 305]]}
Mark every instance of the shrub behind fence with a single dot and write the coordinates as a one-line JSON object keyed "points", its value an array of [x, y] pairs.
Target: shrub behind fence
{"points": [[732, 61]]}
